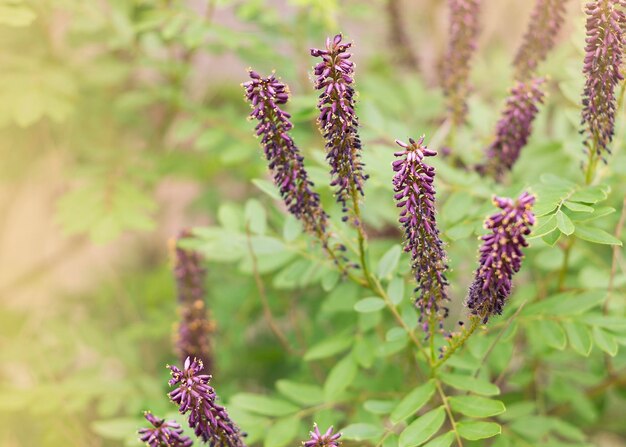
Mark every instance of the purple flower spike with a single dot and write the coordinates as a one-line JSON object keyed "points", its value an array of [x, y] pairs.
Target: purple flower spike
{"points": [[463, 32], [338, 121], [514, 127], [285, 161], [606, 27], [193, 338], [415, 196], [195, 397], [327, 439], [163, 433], [545, 23], [500, 255]]}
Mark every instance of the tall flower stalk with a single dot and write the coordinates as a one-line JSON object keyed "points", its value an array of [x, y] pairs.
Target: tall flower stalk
{"points": [[606, 27], [195, 328], [339, 123], [463, 32], [197, 399], [500, 255], [514, 127], [415, 196], [545, 23], [285, 161]]}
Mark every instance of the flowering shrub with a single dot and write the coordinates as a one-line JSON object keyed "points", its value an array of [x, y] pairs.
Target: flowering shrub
{"points": [[395, 360]]}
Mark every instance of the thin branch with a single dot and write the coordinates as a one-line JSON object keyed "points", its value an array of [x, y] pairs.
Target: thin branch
{"points": [[267, 311], [446, 405], [616, 252]]}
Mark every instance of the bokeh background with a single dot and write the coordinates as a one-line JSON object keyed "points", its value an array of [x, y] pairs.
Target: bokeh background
{"points": [[123, 121]]}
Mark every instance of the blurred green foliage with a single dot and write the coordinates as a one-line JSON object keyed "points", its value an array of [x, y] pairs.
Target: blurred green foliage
{"points": [[133, 94]]}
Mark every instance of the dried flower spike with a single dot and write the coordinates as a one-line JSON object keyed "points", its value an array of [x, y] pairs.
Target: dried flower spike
{"points": [[285, 161], [463, 32], [415, 196], [163, 433], [195, 397], [545, 23], [606, 26], [500, 255], [338, 121], [195, 328], [514, 127], [328, 439]]}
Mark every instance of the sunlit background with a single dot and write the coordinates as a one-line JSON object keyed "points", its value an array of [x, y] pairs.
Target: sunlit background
{"points": [[122, 122]]}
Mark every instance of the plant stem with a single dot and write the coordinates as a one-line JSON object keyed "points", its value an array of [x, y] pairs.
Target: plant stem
{"points": [[564, 267], [459, 342], [446, 405]]}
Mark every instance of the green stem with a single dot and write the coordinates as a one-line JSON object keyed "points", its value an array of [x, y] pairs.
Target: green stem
{"points": [[446, 405], [459, 342]]}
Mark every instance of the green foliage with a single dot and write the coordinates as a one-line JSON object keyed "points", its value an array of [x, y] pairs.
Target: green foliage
{"points": [[134, 99]]}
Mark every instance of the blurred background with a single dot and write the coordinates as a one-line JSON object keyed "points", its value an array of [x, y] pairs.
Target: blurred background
{"points": [[123, 121]]}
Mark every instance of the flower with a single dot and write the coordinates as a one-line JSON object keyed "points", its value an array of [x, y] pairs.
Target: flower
{"points": [[463, 31], [545, 23], [338, 121], [285, 161], [606, 24], [415, 195], [514, 127], [195, 327], [500, 255], [194, 396], [327, 439], [163, 433]]}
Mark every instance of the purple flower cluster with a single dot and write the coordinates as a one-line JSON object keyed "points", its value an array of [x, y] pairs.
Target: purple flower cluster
{"points": [[195, 396], [545, 23], [463, 32], [514, 127], [285, 161], [415, 195], [606, 28], [337, 119], [195, 327], [328, 439], [163, 433], [500, 255]]}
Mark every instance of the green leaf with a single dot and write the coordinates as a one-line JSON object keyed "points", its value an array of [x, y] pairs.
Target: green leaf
{"points": [[578, 207], [605, 341], [544, 226], [389, 262], [579, 337], [117, 429], [395, 290], [379, 406], [412, 402], [371, 304], [255, 216], [592, 194], [467, 383], [596, 235], [267, 187], [265, 405], [282, 432], [564, 223], [329, 347], [477, 407], [442, 441], [567, 304], [474, 430], [300, 393], [339, 378], [552, 332], [457, 206], [361, 432], [552, 238], [423, 428]]}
